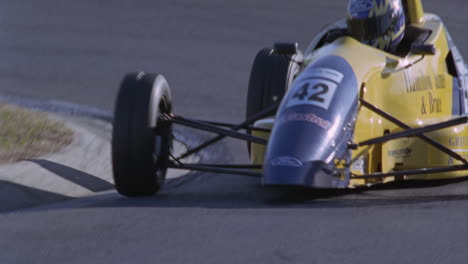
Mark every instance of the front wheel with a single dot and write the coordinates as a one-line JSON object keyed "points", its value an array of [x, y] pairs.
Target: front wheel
{"points": [[141, 142], [271, 75]]}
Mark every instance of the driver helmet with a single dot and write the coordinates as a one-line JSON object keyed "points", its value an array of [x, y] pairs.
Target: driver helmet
{"points": [[378, 23]]}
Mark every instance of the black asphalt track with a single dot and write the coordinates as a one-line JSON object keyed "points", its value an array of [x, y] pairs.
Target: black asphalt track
{"points": [[78, 51]]}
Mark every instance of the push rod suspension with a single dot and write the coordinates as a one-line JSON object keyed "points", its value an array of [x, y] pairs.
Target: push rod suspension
{"points": [[233, 166], [262, 114], [196, 167], [420, 172], [415, 131], [229, 125], [425, 138], [214, 129]]}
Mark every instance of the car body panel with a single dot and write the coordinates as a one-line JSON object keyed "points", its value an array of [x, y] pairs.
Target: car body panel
{"points": [[418, 89]]}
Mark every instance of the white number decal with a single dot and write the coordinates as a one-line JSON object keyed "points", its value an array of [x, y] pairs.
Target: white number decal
{"points": [[318, 88]]}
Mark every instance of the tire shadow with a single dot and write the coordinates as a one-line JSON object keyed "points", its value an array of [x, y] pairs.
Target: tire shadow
{"points": [[86, 180]]}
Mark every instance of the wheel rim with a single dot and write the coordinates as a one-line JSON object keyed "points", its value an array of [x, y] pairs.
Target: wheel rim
{"points": [[161, 150]]}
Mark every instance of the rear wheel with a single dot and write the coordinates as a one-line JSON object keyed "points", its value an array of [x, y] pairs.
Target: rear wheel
{"points": [[271, 75], [141, 142]]}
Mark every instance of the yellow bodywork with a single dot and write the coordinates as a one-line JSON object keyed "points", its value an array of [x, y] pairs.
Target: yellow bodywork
{"points": [[416, 89]]}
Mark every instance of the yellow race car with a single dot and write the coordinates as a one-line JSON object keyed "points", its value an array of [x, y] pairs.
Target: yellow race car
{"points": [[342, 114]]}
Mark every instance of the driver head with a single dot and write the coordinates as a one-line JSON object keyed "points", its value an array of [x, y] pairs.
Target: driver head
{"points": [[378, 23]]}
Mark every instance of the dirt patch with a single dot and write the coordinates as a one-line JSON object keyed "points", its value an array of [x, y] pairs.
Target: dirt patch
{"points": [[27, 134]]}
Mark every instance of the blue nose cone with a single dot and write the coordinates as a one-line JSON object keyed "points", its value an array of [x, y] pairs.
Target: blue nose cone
{"points": [[313, 126], [289, 171]]}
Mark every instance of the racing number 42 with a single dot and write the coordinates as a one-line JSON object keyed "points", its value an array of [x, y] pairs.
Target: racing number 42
{"points": [[318, 90]]}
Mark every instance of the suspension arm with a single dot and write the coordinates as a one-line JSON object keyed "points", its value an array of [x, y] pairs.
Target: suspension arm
{"points": [[425, 138], [214, 129], [215, 169], [417, 172], [262, 114]]}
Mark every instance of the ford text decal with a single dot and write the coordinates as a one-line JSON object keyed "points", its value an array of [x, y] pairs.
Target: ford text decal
{"points": [[307, 117], [286, 161]]}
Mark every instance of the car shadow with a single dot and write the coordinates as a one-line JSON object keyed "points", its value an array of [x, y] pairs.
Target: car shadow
{"points": [[395, 193], [251, 195], [258, 197]]}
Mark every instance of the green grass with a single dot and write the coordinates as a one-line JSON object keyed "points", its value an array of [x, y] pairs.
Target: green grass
{"points": [[27, 134]]}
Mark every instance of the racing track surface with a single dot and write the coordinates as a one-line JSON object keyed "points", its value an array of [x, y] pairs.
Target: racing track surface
{"points": [[78, 50]]}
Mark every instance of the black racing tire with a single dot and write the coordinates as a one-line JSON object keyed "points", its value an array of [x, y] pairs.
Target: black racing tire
{"points": [[141, 143], [271, 75]]}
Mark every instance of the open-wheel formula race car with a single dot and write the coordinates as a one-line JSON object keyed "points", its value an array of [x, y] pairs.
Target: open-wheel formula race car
{"points": [[340, 115]]}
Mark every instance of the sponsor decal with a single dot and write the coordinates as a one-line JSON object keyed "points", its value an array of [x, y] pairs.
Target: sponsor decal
{"points": [[462, 152], [417, 84], [431, 104], [373, 7], [340, 163], [325, 73], [400, 153], [461, 143], [357, 7], [307, 117], [358, 165], [286, 161], [317, 87], [440, 82], [458, 142]]}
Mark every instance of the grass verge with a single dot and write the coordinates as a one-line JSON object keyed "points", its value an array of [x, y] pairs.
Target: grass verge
{"points": [[28, 134]]}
